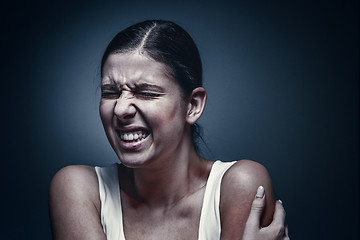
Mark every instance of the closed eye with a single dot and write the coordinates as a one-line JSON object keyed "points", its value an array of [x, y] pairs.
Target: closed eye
{"points": [[110, 95], [147, 91], [148, 94], [110, 91]]}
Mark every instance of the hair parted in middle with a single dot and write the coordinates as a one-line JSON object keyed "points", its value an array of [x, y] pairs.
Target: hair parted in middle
{"points": [[168, 43], [165, 42]]}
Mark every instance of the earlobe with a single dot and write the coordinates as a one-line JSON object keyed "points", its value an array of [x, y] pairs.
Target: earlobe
{"points": [[196, 105]]}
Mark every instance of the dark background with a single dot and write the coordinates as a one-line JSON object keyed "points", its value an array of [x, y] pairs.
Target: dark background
{"points": [[282, 79]]}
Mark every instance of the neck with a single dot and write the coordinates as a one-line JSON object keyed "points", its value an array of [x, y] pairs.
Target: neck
{"points": [[164, 185]]}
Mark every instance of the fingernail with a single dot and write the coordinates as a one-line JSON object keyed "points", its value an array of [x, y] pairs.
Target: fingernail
{"points": [[280, 201], [260, 192]]}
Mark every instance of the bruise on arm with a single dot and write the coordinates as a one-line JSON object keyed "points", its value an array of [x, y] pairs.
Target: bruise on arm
{"points": [[238, 189]]}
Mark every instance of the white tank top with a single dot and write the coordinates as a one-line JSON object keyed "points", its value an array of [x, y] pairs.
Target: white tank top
{"points": [[111, 211]]}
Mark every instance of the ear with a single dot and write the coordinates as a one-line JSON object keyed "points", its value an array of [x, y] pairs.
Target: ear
{"points": [[196, 105]]}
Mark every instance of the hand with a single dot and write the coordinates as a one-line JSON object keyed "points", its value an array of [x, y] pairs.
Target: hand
{"points": [[275, 231]]}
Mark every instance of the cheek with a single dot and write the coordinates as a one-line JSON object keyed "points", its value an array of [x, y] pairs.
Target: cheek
{"points": [[106, 110], [167, 116]]}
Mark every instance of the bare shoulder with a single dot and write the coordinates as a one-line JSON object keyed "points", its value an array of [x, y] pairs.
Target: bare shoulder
{"points": [[75, 182], [238, 189], [74, 172], [75, 204], [246, 174]]}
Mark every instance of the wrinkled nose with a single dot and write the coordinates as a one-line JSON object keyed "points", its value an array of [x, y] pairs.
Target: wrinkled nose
{"points": [[124, 108]]}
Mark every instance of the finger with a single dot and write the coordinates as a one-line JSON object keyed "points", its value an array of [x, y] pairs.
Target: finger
{"points": [[257, 207], [286, 231], [277, 226], [279, 214], [285, 236]]}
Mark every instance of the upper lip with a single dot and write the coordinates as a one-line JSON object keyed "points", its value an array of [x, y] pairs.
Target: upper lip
{"points": [[129, 129]]}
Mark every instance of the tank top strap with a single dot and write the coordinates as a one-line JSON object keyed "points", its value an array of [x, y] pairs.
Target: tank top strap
{"points": [[111, 211], [210, 225]]}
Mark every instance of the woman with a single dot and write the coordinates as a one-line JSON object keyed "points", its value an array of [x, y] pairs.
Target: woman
{"points": [[152, 97]]}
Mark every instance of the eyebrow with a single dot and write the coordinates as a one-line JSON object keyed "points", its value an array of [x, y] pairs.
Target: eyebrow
{"points": [[108, 86], [141, 86]]}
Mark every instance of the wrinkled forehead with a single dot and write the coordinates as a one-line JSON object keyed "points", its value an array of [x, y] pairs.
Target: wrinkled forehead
{"points": [[134, 67]]}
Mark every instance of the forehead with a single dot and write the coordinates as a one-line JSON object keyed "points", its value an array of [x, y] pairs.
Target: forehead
{"points": [[132, 68]]}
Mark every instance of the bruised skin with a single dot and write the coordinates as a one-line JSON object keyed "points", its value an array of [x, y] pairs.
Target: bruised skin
{"points": [[139, 97], [177, 220], [162, 178]]}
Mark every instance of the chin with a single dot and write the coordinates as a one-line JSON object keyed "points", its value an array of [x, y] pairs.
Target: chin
{"points": [[134, 160]]}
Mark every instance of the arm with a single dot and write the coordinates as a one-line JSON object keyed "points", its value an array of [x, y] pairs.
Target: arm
{"points": [[238, 188], [75, 205], [275, 231]]}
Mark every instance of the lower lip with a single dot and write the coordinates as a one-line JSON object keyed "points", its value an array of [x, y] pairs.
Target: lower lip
{"points": [[135, 145]]}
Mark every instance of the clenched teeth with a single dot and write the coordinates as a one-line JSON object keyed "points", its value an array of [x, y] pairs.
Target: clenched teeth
{"points": [[133, 136]]}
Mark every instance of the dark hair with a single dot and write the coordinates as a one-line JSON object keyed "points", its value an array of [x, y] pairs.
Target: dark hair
{"points": [[168, 43]]}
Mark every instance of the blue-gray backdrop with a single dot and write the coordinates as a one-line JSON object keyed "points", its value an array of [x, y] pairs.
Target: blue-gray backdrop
{"points": [[282, 80]]}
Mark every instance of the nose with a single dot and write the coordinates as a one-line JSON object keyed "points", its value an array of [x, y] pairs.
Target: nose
{"points": [[124, 108]]}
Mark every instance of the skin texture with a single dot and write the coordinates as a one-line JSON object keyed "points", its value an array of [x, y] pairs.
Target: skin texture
{"points": [[162, 178], [240, 182], [127, 107], [275, 231], [75, 204]]}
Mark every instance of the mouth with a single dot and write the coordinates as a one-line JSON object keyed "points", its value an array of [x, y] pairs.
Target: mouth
{"points": [[133, 136]]}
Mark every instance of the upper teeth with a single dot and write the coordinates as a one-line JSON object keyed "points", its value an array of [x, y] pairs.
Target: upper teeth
{"points": [[132, 136]]}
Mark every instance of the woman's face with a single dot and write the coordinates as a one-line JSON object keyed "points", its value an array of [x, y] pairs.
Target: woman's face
{"points": [[141, 109]]}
